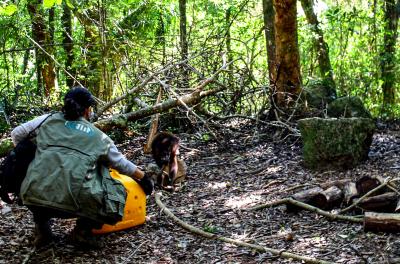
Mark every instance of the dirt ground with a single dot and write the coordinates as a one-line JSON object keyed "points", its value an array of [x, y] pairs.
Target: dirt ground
{"points": [[245, 167]]}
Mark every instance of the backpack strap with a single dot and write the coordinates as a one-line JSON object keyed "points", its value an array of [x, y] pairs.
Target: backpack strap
{"points": [[30, 134]]}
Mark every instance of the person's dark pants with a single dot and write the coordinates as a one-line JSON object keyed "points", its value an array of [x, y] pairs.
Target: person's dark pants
{"points": [[42, 217]]}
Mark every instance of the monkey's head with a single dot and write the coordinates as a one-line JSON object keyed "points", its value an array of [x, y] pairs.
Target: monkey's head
{"points": [[165, 147]]}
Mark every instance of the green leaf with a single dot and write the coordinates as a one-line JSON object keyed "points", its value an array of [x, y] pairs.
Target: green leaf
{"points": [[8, 10], [69, 4], [48, 3], [58, 2]]}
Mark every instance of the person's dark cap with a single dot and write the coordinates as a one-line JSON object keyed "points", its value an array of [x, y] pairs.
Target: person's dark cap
{"points": [[80, 95]]}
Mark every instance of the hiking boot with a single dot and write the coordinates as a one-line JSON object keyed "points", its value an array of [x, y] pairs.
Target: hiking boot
{"points": [[84, 238], [43, 235]]}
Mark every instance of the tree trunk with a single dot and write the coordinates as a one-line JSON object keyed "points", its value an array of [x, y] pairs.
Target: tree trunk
{"points": [[287, 72], [93, 70], [68, 43], [41, 35], [183, 42], [321, 46], [269, 14], [388, 55], [229, 46], [92, 43], [106, 85]]}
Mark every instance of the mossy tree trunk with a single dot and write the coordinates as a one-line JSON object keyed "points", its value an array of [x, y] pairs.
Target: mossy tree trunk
{"points": [[96, 73], [183, 41], [269, 16], [287, 71], [388, 55], [40, 32], [268, 12], [68, 42], [320, 45]]}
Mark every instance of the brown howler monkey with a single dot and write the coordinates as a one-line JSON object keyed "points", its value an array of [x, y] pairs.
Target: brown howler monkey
{"points": [[165, 150]]}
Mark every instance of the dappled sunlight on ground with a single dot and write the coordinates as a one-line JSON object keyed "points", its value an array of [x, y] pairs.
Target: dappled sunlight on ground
{"points": [[218, 185], [240, 202]]}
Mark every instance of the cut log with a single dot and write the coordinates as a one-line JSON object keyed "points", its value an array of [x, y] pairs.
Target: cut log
{"points": [[380, 203], [329, 198], [350, 192], [306, 196], [367, 183], [338, 183], [381, 222]]}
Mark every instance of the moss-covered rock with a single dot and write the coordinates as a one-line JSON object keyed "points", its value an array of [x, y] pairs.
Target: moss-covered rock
{"points": [[351, 106], [337, 143], [318, 93]]}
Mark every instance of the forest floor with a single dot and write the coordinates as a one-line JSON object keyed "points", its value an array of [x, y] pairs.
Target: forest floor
{"points": [[246, 167]]}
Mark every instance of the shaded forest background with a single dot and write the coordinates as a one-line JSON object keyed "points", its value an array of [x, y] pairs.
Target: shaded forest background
{"points": [[234, 51]]}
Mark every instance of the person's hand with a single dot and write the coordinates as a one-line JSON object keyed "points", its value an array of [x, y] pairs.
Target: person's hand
{"points": [[147, 184]]}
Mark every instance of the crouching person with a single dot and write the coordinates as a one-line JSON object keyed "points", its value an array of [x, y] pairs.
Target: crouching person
{"points": [[69, 176]]}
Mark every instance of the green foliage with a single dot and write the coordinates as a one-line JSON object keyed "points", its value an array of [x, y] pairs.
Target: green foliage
{"points": [[210, 229], [134, 38], [51, 3], [8, 10]]}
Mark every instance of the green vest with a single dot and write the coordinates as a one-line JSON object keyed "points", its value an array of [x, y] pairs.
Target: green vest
{"points": [[68, 174]]}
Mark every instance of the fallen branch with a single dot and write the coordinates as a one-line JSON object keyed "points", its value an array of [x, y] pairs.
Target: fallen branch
{"points": [[279, 253], [189, 99], [136, 89], [307, 207]]}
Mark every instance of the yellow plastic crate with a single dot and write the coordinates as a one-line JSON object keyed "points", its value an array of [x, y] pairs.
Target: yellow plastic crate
{"points": [[135, 207]]}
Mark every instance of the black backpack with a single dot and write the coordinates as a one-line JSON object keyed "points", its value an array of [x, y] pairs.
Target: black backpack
{"points": [[15, 165]]}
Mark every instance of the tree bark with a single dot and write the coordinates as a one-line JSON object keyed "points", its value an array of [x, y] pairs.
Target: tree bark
{"points": [[93, 72], [269, 14], [183, 41], [350, 192], [287, 72], [380, 203], [306, 196], [329, 198], [388, 55], [68, 42], [40, 33], [367, 183], [381, 222], [321, 46], [229, 46]]}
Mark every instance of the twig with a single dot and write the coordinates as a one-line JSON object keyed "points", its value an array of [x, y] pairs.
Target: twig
{"points": [[272, 183], [365, 196], [53, 59], [278, 123], [307, 207], [279, 253], [133, 253], [137, 88], [297, 187]]}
